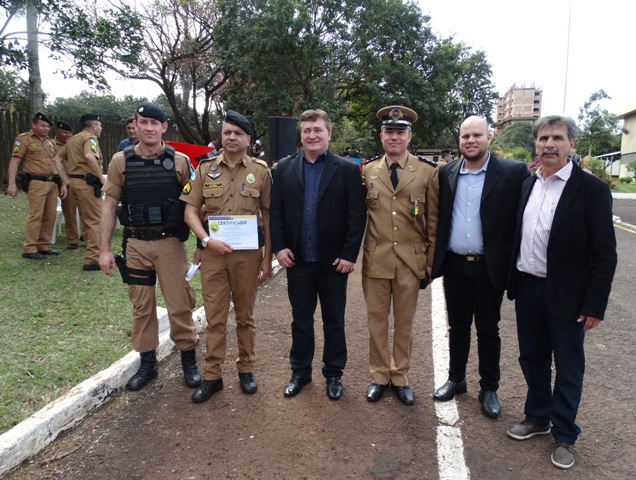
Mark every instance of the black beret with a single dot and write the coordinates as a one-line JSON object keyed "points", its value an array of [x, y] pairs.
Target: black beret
{"points": [[64, 126], [396, 116], [239, 120], [151, 110], [41, 116], [89, 117]]}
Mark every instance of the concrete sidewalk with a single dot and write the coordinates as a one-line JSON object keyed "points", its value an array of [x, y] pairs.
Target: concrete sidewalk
{"points": [[43, 427]]}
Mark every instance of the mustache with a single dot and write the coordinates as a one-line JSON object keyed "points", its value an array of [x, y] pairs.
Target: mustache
{"points": [[550, 152]]}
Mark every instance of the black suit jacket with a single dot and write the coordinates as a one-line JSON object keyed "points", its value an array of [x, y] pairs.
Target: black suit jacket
{"points": [[498, 213], [581, 250], [341, 212]]}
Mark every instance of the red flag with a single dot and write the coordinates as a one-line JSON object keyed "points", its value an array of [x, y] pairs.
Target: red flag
{"points": [[191, 151]]}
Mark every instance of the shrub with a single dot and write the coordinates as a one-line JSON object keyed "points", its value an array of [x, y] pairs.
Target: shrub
{"points": [[626, 179]]}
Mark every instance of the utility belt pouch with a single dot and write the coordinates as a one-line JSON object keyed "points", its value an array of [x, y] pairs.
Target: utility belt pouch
{"points": [[185, 232], [135, 214], [24, 178], [120, 261], [172, 213], [261, 237], [91, 179], [154, 216]]}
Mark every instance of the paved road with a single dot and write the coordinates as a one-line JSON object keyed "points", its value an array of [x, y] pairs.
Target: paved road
{"points": [[626, 209]]}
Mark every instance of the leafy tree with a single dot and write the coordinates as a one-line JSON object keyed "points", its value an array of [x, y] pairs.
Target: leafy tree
{"points": [[108, 107], [516, 141], [631, 167], [14, 92], [599, 129]]}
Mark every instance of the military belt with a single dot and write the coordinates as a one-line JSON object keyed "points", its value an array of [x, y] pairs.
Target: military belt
{"points": [[151, 233]]}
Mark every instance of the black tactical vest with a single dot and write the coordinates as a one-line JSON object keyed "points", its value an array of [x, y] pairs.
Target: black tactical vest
{"points": [[150, 195]]}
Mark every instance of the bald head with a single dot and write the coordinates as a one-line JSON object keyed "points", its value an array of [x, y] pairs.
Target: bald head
{"points": [[474, 140]]}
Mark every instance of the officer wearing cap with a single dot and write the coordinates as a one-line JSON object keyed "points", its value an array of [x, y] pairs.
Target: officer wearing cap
{"points": [[84, 172], [63, 132], [230, 184], [142, 190], [133, 136], [35, 151], [402, 200]]}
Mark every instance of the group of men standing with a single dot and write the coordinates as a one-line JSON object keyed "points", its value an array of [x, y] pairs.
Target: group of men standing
{"points": [[481, 223]]}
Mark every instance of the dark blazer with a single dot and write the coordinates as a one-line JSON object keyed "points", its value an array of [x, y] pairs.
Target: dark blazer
{"points": [[498, 213], [341, 214], [581, 247]]}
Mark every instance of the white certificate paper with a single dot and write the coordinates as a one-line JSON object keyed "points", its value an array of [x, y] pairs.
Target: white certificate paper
{"points": [[238, 231]]}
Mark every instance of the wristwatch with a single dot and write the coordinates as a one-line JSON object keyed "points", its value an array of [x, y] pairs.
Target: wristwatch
{"points": [[205, 241]]}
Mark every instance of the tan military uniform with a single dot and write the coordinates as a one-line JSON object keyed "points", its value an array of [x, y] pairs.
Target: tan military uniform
{"points": [[36, 155], [242, 190], [90, 206], [168, 258], [69, 205], [398, 246]]}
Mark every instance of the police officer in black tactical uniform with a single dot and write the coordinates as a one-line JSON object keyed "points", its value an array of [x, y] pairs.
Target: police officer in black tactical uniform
{"points": [[147, 179]]}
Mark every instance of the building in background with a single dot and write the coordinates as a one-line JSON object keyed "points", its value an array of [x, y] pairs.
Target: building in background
{"points": [[519, 104]]}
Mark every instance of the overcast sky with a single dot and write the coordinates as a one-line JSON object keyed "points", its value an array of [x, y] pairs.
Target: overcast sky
{"points": [[526, 44]]}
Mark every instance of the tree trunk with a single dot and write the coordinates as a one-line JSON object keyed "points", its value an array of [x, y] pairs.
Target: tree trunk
{"points": [[33, 57]]}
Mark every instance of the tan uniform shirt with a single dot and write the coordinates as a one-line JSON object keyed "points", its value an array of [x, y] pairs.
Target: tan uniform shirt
{"points": [[402, 221], [242, 190], [117, 167], [75, 149], [36, 154]]}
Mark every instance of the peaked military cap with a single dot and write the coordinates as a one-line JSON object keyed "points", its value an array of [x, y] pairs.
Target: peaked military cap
{"points": [[396, 116], [239, 120], [151, 110], [62, 125], [89, 117], [40, 116]]}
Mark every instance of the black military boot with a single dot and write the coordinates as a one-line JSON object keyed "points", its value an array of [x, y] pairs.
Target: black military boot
{"points": [[147, 371], [190, 371]]}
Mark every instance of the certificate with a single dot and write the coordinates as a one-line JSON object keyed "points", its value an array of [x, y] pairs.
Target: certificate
{"points": [[239, 231]]}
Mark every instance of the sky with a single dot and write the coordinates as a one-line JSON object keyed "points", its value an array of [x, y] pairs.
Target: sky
{"points": [[526, 43]]}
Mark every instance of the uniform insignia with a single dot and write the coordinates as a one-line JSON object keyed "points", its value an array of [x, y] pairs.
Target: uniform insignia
{"points": [[371, 184], [193, 176], [16, 149], [17, 143], [186, 189], [168, 164], [250, 178], [373, 177], [214, 176], [212, 185], [214, 167], [94, 146], [396, 114]]}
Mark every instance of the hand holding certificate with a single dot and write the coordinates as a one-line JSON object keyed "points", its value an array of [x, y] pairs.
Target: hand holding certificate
{"points": [[238, 231]]}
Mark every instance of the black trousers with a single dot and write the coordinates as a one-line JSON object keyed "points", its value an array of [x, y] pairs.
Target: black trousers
{"points": [[470, 294], [306, 283]]}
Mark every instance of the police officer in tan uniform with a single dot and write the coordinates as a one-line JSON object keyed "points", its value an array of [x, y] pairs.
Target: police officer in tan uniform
{"points": [[84, 172], [63, 132], [35, 151], [402, 201], [154, 232], [230, 184]]}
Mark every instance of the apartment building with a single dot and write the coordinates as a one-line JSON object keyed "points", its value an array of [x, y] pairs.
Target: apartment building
{"points": [[519, 104]]}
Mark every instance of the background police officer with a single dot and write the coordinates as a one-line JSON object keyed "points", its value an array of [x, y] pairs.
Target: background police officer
{"points": [[84, 172], [36, 151], [153, 249], [63, 132], [230, 184], [401, 192]]}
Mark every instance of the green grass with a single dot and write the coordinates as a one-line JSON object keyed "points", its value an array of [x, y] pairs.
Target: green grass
{"points": [[59, 325], [624, 188]]}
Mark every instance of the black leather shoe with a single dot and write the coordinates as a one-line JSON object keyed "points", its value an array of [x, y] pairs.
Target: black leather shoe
{"points": [[33, 256], [72, 246], [205, 391], [489, 404], [404, 395], [248, 383], [448, 391], [50, 251], [334, 388], [91, 267], [375, 391], [295, 385]]}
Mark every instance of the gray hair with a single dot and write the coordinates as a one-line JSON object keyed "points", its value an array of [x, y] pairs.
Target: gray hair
{"points": [[555, 121]]}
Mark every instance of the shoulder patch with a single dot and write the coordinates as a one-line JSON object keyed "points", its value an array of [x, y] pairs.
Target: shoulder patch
{"points": [[374, 159], [427, 161]]}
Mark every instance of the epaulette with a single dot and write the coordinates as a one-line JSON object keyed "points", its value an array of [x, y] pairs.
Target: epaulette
{"points": [[262, 163], [206, 159], [374, 159], [427, 161]]}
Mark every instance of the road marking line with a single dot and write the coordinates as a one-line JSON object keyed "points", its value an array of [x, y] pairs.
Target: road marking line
{"points": [[450, 447]]}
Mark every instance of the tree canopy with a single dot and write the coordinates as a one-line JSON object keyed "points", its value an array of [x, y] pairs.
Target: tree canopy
{"points": [[599, 130]]}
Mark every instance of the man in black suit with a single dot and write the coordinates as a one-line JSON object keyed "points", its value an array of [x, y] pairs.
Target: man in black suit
{"points": [[478, 201], [317, 219], [564, 261]]}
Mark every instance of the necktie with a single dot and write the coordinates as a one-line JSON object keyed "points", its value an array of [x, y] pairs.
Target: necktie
{"points": [[394, 177]]}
